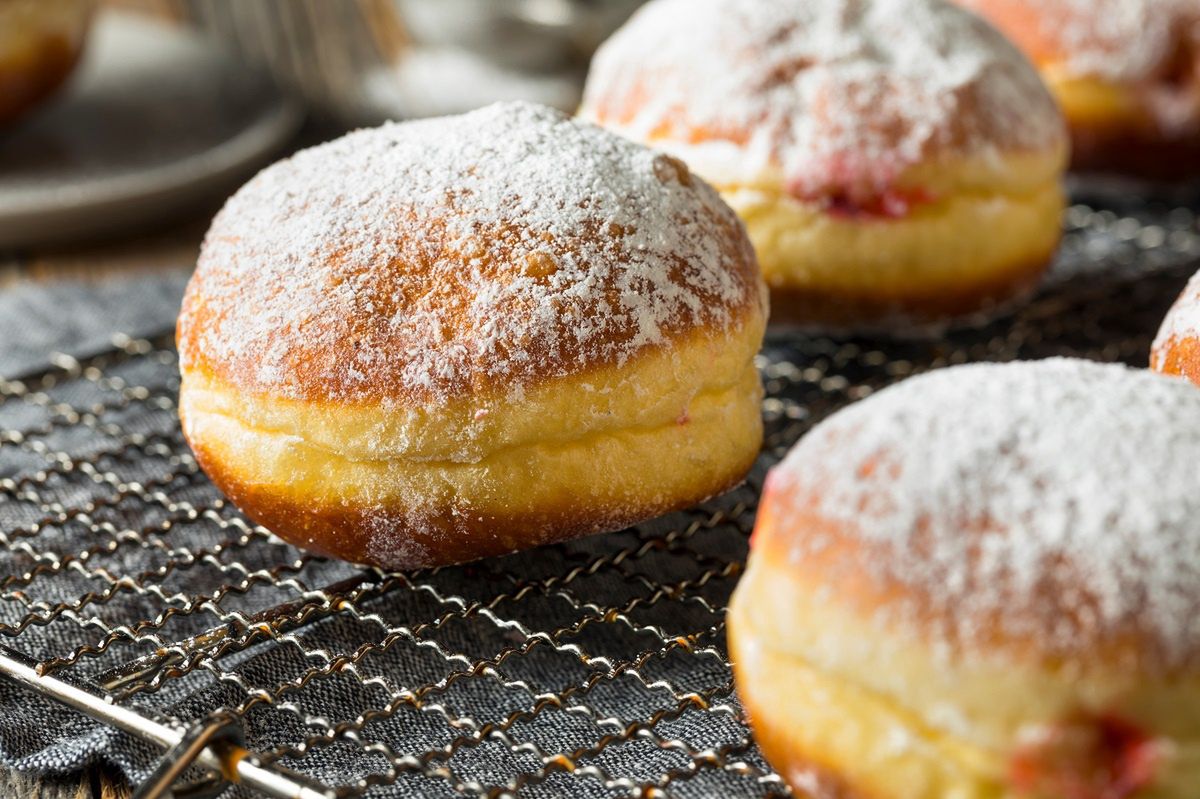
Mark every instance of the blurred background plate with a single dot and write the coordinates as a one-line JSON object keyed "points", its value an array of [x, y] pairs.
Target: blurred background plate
{"points": [[157, 119]]}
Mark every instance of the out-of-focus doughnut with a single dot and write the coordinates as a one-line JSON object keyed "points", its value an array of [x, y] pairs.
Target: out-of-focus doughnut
{"points": [[983, 583], [40, 43], [1126, 73], [894, 160], [433, 341], [1176, 349]]}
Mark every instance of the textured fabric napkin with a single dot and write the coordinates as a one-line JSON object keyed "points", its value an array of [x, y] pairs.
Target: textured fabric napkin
{"points": [[603, 657], [76, 318], [441, 636]]}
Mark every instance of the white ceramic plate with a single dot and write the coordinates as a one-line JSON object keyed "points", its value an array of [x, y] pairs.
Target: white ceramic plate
{"points": [[155, 119]]}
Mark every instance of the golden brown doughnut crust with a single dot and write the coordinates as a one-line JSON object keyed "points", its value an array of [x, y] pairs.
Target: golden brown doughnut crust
{"points": [[429, 299], [349, 533], [1119, 39], [860, 141], [1176, 348], [1178, 356], [421, 277], [979, 583], [839, 98], [799, 768], [436, 341], [1069, 606], [1127, 73], [850, 310]]}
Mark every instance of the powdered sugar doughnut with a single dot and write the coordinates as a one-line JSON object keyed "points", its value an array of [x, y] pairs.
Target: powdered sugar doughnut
{"points": [[1126, 73], [891, 158], [1176, 349], [983, 582], [439, 340]]}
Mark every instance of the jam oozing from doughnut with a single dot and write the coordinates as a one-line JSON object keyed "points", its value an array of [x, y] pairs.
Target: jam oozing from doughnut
{"points": [[851, 187], [886, 204], [1098, 758]]}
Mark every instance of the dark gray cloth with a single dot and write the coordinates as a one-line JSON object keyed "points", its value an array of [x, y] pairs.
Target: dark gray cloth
{"points": [[474, 646], [75, 317], [591, 668]]}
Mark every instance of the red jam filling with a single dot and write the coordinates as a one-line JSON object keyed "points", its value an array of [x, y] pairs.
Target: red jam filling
{"points": [[892, 203], [1100, 758], [889, 204], [847, 186]]}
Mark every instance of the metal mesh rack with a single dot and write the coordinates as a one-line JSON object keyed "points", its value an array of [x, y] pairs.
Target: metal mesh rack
{"points": [[131, 591]]}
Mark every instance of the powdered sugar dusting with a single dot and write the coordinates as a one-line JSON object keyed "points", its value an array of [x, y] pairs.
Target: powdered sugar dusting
{"points": [[1121, 40], [1183, 320], [1055, 500], [837, 93], [425, 259]]}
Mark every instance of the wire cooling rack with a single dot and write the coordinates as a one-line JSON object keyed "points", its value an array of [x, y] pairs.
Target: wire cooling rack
{"points": [[133, 593]]}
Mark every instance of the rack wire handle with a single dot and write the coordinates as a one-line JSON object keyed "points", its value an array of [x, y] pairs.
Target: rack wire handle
{"points": [[246, 769], [222, 729]]}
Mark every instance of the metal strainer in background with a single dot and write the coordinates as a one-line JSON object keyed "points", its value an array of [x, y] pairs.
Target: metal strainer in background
{"points": [[367, 60]]}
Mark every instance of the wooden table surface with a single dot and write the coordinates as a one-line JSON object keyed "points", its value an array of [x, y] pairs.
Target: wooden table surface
{"points": [[172, 244]]}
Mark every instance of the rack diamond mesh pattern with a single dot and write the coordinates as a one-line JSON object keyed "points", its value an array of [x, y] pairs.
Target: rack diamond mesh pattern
{"points": [[131, 591]]}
